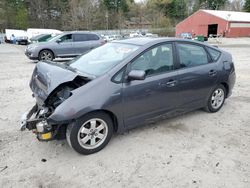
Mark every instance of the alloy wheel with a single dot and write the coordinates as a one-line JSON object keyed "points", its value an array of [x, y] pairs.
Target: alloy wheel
{"points": [[92, 133], [46, 55], [217, 99]]}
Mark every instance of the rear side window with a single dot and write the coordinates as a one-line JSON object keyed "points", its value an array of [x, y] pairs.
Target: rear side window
{"points": [[191, 55], [215, 54], [80, 37], [92, 37]]}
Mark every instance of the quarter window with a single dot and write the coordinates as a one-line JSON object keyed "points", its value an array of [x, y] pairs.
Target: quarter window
{"points": [[215, 54], [191, 55], [118, 76], [155, 61], [93, 37]]}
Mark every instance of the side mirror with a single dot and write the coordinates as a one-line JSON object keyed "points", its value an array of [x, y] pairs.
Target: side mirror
{"points": [[59, 40], [136, 75]]}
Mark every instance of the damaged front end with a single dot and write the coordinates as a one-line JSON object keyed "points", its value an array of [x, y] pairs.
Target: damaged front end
{"points": [[36, 121], [51, 85]]}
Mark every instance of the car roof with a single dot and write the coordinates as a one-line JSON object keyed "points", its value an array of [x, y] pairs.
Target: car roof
{"points": [[78, 32], [141, 41]]}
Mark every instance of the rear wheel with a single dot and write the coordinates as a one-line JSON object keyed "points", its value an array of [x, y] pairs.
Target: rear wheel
{"points": [[46, 55], [216, 99], [90, 133]]}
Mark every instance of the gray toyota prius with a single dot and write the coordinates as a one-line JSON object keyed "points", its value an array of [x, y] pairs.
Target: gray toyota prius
{"points": [[125, 84]]}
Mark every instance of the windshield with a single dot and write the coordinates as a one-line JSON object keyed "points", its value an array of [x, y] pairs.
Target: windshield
{"points": [[54, 38], [102, 59]]}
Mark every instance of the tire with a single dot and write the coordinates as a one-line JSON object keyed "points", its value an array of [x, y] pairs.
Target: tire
{"points": [[216, 99], [46, 55], [91, 133]]}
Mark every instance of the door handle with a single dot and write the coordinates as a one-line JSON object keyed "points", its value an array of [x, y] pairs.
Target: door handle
{"points": [[212, 73], [170, 83]]}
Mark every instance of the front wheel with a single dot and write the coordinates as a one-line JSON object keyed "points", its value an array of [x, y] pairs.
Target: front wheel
{"points": [[216, 99], [46, 55], [90, 133]]}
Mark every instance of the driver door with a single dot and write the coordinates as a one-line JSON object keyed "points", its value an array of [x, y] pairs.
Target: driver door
{"points": [[65, 46], [158, 93]]}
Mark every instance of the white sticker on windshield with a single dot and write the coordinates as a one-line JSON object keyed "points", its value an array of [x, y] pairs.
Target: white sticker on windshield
{"points": [[123, 50]]}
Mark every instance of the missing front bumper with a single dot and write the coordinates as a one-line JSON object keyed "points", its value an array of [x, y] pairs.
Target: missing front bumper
{"points": [[39, 126], [45, 130], [28, 120]]}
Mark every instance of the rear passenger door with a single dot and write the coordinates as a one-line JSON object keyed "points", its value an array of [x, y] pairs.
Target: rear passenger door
{"points": [[94, 41], [85, 42], [197, 74], [81, 44]]}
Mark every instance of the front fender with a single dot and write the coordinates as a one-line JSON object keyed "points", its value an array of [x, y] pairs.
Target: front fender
{"points": [[90, 97]]}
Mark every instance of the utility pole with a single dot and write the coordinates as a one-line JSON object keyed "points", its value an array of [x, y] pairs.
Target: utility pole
{"points": [[107, 21]]}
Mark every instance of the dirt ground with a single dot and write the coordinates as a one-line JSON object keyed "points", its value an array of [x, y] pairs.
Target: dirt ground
{"points": [[194, 150]]}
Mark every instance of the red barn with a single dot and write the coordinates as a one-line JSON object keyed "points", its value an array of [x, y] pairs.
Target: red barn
{"points": [[206, 22]]}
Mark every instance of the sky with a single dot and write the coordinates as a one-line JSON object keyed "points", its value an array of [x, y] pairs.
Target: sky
{"points": [[138, 1]]}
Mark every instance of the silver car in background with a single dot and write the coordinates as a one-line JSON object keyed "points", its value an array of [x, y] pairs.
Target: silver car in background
{"points": [[68, 44]]}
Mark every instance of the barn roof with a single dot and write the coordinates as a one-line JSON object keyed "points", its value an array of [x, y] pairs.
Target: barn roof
{"points": [[230, 15]]}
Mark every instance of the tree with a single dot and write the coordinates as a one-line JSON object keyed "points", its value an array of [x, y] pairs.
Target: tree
{"points": [[46, 13], [210, 4], [14, 14], [247, 6], [116, 5], [176, 10], [117, 10], [21, 18]]}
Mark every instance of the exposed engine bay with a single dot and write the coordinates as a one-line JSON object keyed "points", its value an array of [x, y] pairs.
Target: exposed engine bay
{"points": [[36, 118], [63, 92]]}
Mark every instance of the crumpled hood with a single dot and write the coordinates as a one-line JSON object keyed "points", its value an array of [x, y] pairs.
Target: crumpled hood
{"points": [[46, 77]]}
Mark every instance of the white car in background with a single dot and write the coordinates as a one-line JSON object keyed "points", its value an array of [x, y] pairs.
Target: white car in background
{"points": [[133, 35], [31, 32], [20, 36], [109, 38]]}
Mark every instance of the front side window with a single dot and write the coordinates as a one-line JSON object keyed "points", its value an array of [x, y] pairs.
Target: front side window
{"points": [[155, 61], [191, 55], [67, 38]]}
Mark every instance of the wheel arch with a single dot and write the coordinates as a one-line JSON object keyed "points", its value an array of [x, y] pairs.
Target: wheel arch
{"points": [[48, 50], [110, 114], [226, 87], [62, 129]]}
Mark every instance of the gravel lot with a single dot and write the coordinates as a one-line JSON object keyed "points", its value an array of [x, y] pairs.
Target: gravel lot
{"points": [[194, 150]]}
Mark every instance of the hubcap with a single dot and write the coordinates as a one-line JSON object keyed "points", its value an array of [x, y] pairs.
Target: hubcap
{"points": [[92, 133], [46, 56], [217, 98]]}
